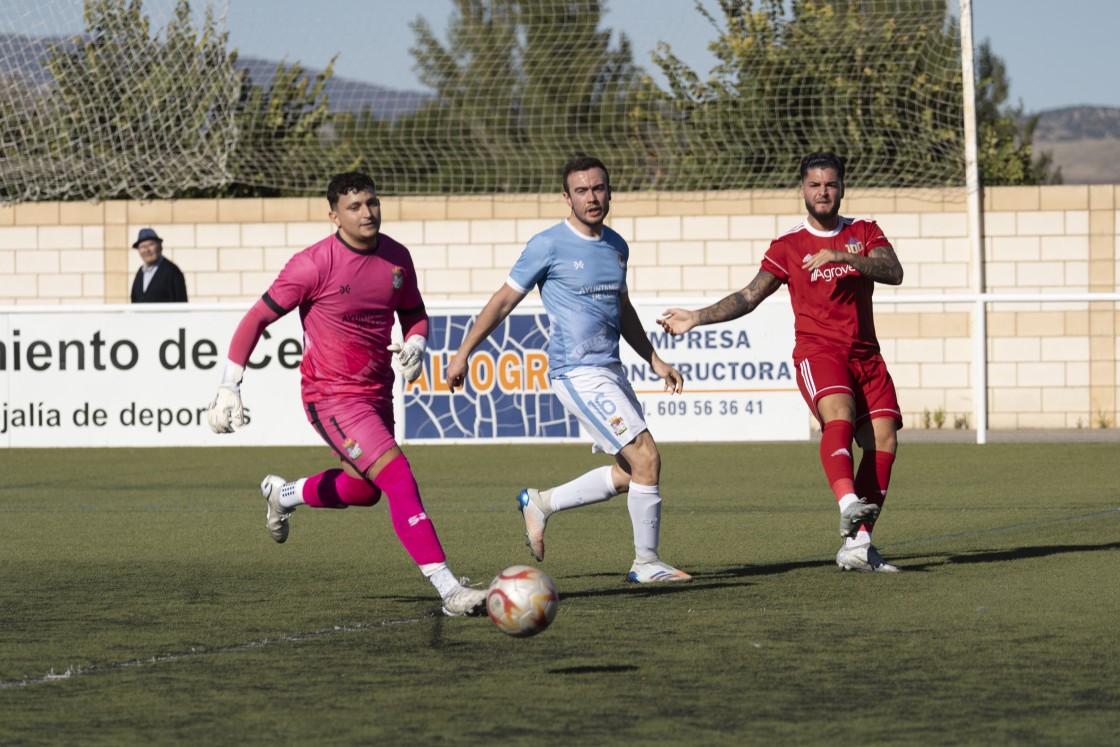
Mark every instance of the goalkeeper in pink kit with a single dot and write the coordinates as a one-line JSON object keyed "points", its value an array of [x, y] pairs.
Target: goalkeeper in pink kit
{"points": [[349, 289], [831, 264]]}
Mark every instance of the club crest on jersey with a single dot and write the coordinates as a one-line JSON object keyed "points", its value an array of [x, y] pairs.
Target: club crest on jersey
{"points": [[398, 278], [854, 246], [617, 425], [621, 262], [353, 450]]}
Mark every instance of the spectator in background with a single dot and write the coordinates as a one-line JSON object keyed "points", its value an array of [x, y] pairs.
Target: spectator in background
{"points": [[160, 280]]}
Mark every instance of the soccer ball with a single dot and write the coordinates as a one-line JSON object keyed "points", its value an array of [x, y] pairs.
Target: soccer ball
{"points": [[522, 600]]}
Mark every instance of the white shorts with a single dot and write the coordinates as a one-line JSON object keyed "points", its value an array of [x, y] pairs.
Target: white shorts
{"points": [[603, 401]]}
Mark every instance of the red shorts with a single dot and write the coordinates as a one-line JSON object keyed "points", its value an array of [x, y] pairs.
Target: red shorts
{"points": [[358, 430], [866, 381]]}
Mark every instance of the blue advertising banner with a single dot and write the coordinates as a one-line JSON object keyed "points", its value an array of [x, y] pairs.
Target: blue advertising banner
{"points": [[739, 382]]}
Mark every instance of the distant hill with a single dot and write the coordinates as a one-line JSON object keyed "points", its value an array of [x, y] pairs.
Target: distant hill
{"points": [[27, 57], [1078, 123], [1084, 142], [344, 95]]}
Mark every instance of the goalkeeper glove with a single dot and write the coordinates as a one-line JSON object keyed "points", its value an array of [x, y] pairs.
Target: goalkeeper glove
{"points": [[408, 358], [226, 410]]}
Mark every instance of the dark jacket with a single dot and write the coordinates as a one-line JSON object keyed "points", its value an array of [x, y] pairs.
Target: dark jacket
{"points": [[168, 284]]}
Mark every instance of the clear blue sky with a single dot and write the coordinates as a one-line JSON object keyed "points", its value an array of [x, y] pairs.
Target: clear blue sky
{"points": [[1057, 53]]}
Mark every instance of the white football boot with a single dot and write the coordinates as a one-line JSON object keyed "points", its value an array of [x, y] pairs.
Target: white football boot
{"points": [[865, 558], [856, 514], [535, 510], [275, 517], [463, 601], [656, 572]]}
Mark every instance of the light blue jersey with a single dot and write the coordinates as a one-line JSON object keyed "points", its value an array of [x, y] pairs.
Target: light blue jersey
{"points": [[581, 280]]}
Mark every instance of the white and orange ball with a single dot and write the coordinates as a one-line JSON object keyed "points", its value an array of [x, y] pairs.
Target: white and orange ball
{"points": [[522, 600]]}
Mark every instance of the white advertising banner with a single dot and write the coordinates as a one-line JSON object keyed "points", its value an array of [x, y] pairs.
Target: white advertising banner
{"points": [[123, 375], [141, 376]]}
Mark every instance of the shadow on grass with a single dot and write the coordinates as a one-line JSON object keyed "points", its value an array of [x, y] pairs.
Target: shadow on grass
{"points": [[995, 556], [1022, 553], [600, 669], [727, 577]]}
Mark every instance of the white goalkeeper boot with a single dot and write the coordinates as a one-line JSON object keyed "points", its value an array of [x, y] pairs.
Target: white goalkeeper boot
{"points": [[463, 601], [275, 517]]}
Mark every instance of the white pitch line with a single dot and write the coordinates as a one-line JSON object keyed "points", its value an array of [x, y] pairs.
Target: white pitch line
{"points": [[71, 672]]}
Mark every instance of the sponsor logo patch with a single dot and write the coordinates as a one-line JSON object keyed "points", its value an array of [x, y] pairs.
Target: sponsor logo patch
{"points": [[617, 425], [353, 450]]}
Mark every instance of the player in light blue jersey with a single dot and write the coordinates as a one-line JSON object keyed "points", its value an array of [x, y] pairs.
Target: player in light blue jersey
{"points": [[579, 266]]}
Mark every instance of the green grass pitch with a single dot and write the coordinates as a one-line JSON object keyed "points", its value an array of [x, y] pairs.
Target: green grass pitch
{"points": [[142, 602]]}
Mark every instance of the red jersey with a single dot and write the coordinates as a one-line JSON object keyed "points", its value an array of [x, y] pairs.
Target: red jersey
{"points": [[347, 300], [832, 304]]}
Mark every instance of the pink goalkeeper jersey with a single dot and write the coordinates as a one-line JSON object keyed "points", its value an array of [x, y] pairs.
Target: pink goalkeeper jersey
{"points": [[347, 299], [832, 304]]}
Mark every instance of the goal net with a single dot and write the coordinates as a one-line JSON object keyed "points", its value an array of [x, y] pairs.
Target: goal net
{"points": [[152, 98]]}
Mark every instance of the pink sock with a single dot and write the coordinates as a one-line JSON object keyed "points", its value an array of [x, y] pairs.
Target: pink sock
{"points": [[336, 489], [836, 456], [412, 525]]}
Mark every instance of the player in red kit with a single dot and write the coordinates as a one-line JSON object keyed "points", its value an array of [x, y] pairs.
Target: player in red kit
{"points": [[349, 289], [831, 264]]}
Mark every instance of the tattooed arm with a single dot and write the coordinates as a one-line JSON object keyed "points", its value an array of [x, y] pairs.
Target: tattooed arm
{"points": [[679, 321], [881, 264]]}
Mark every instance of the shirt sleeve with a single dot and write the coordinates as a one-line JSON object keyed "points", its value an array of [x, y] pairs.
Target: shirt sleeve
{"points": [[775, 261], [532, 266]]}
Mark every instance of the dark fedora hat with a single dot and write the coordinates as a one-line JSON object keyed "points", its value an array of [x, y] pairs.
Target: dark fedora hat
{"points": [[146, 234]]}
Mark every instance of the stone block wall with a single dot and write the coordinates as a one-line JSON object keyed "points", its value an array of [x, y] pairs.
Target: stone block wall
{"points": [[1051, 365]]}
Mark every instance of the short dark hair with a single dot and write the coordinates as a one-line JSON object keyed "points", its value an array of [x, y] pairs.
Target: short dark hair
{"points": [[822, 160], [351, 181], [583, 163]]}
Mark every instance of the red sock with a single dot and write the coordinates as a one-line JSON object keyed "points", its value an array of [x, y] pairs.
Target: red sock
{"points": [[874, 476], [412, 525], [336, 489], [836, 456]]}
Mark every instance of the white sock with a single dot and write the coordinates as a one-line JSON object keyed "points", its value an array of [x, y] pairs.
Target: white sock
{"points": [[595, 486], [441, 577], [644, 502], [291, 494], [846, 501], [862, 539]]}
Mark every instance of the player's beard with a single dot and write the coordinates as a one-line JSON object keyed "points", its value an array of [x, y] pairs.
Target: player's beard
{"points": [[594, 222], [823, 216]]}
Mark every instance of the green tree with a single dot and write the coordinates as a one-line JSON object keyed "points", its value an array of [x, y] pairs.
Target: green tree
{"points": [[23, 148], [1004, 136], [283, 130], [852, 76], [521, 86], [134, 116]]}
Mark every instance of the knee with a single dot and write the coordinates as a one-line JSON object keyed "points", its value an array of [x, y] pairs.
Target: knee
{"points": [[645, 467], [355, 492]]}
